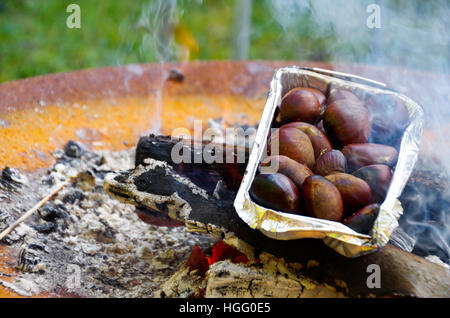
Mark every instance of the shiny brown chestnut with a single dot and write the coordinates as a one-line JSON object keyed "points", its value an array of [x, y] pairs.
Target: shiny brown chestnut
{"points": [[318, 139], [378, 177], [297, 172], [329, 162], [300, 105], [318, 93], [347, 122], [362, 221], [292, 143], [338, 94], [389, 117], [360, 155], [275, 191], [322, 199], [355, 192]]}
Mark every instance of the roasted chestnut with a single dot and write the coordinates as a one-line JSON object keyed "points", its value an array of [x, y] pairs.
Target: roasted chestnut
{"points": [[300, 105], [329, 162], [355, 192], [275, 191], [322, 199], [292, 143], [319, 95], [338, 94], [378, 177], [347, 122], [389, 117], [297, 172], [318, 139], [363, 220], [360, 155]]}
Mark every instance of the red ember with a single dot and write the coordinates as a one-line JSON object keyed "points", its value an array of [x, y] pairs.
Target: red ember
{"points": [[220, 252]]}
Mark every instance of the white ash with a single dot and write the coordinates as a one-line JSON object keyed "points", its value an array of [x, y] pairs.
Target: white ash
{"points": [[97, 238], [23, 287]]}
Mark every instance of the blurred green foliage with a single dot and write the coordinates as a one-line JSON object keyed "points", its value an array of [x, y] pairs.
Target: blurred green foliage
{"points": [[35, 40]]}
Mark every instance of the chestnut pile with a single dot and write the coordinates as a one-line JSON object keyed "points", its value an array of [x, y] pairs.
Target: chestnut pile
{"points": [[335, 155]]}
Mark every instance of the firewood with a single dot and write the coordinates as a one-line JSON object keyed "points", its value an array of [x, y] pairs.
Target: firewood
{"points": [[229, 280], [205, 207], [229, 169]]}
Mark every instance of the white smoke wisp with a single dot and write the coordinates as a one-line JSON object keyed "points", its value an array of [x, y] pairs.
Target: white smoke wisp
{"points": [[148, 36], [158, 19]]}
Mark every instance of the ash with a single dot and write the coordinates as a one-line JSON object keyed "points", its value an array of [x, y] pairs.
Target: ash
{"points": [[83, 243]]}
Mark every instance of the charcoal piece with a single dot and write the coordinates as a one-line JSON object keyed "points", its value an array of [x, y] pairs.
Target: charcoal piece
{"points": [[50, 211], [74, 149], [45, 228], [12, 179], [176, 76], [74, 196]]}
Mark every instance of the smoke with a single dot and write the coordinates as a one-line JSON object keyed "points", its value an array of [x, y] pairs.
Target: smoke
{"points": [[148, 35], [158, 19], [427, 219], [413, 35]]}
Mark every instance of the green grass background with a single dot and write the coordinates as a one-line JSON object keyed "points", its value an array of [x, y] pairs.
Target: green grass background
{"points": [[34, 39]]}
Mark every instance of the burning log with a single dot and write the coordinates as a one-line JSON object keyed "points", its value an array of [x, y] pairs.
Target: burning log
{"points": [[201, 196], [230, 169]]}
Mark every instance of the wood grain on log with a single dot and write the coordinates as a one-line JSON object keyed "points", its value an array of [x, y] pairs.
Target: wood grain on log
{"points": [[226, 279]]}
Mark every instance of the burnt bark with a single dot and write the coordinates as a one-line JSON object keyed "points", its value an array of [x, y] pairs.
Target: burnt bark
{"points": [[229, 169]]}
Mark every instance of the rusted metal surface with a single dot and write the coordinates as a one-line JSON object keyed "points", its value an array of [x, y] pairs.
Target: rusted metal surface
{"points": [[109, 108]]}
